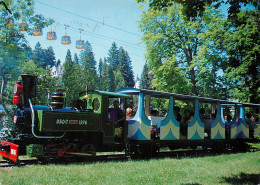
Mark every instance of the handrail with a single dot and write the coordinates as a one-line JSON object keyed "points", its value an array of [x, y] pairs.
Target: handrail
{"points": [[33, 118]]}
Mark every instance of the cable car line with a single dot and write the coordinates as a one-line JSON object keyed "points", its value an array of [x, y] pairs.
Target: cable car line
{"points": [[110, 38], [102, 23], [74, 38]]}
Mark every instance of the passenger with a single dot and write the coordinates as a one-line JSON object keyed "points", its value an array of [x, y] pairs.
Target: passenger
{"points": [[177, 113], [129, 113], [155, 130], [255, 119], [225, 118], [228, 124], [117, 114], [206, 122], [163, 113], [213, 116], [248, 118], [202, 114], [186, 118], [154, 113]]}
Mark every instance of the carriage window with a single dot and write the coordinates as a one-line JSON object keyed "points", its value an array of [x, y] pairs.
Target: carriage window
{"points": [[156, 106], [96, 104], [207, 111], [132, 103]]}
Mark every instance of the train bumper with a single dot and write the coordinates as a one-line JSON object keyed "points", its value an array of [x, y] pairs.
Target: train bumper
{"points": [[9, 151]]}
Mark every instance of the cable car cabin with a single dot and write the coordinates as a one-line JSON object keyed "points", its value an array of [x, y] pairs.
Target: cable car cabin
{"points": [[51, 35], [37, 31], [80, 44], [23, 26], [65, 40]]}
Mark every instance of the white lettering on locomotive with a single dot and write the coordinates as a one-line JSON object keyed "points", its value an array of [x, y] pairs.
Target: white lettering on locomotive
{"points": [[74, 122], [83, 122], [62, 121]]}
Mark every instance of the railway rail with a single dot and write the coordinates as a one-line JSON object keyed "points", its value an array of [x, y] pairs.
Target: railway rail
{"points": [[187, 153]]}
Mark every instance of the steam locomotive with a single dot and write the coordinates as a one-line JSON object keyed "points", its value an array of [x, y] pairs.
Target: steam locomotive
{"points": [[56, 131], [59, 132]]}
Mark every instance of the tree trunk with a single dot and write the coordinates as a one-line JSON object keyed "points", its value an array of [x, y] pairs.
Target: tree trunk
{"points": [[192, 71]]}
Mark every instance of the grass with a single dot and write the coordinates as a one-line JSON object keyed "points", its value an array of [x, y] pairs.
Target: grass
{"points": [[241, 168]]}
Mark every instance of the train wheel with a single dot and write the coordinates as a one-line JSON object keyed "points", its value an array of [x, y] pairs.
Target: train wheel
{"points": [[71, 148], [89, 148]]}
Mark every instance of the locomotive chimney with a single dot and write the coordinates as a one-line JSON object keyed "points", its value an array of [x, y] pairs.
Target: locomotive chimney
{"points": [[29, 88]]}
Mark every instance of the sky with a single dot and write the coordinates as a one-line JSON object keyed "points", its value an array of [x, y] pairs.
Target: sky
{"points": [[103, 22]]}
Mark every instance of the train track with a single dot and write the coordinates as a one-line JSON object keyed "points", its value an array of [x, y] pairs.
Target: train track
{"points": [[119, 157], [6, 164]]}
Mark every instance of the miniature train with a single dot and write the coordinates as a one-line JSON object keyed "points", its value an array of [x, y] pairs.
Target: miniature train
{"points": [[59, 132]]}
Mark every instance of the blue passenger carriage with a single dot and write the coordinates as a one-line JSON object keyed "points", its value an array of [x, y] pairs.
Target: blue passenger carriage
{"points": [[200, 131]]}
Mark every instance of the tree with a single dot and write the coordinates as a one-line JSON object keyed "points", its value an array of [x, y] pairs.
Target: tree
{"points": [[193, 8], [76, 59], [38, 55], [104, 77], [69, 79], [50, 59], [88, 62], [111, 75], [176, 51], [125, 67], [100, 65], [146, 78], [242, 68], [13, 46], [119, 80], [112, 58]]}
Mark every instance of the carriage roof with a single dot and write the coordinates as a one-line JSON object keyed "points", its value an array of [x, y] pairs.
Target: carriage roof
{"points": [[160, 94], [105, 93]]}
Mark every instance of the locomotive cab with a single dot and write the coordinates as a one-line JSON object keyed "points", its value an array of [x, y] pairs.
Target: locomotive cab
{"points": [[101, 102]]}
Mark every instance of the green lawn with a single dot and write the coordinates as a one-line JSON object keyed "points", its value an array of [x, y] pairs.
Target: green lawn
{"points": [[242, 168]]}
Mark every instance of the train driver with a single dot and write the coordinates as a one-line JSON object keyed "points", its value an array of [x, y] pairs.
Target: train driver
{"points": [[117, 114]]}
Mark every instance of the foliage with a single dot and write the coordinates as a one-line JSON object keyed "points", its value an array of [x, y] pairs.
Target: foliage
{"points": [[111, 77], [43, 57], [146, 78], [176, 51], [125, 67], [69, 79], [205, 54], [193, 8], [242, 45], [119, 80], [13, 46], [88, 63], [112, 58], [104, 77]]}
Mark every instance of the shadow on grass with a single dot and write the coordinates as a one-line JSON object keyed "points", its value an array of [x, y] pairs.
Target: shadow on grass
{"points": [[243, 178]]}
